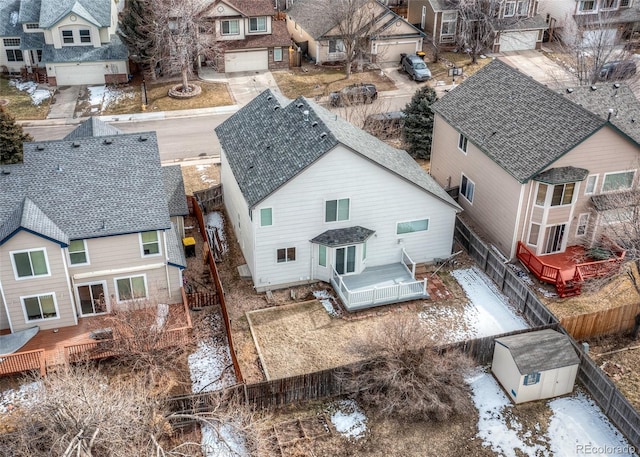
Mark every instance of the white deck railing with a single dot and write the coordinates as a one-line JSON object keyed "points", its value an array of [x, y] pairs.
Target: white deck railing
{"points": [[360, 299], [406, 261]]}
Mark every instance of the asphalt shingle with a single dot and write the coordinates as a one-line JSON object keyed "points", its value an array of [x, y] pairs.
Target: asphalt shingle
{"points": [[343, 236], [114, 50], [174, 187], [93, 127], [95, 11]]}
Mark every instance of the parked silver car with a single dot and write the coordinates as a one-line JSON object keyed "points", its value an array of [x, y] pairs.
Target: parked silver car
{"points": [[415, 67]]}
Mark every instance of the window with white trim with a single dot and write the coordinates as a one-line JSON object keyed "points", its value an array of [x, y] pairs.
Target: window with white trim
{"points": [[266, 217], [562, 194], [85, 36], [336, 210], [150, 243], [336, 46], [467, 188], [531, 379], [230, 27], [583, 222], [11, 42], [131, 288], [286, 255], [618, 181], [626, 3], [78, 252], [609, 5], [322, 255], [449, 22], [30, 263], [40, 307], [541, 195], [522, 8], [32, 25], [534, 233], [67, 36], [258, 24], [509, 9], [277, 54], [14, 55], [590, 186], [586, 6], [462, 143], [420, 225]]}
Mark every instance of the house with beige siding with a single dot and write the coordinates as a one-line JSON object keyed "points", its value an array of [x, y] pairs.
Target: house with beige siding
{"points": [[70, 41], [86, 226], [318, 33], [313, 198], [533, 165], [518, 25]]}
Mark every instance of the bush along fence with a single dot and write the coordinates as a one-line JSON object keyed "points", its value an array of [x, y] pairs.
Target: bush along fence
{"points": [[209, 258], [595, 381]]}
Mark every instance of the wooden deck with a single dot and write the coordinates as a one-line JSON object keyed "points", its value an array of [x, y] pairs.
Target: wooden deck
{"points": [[566, 261]]}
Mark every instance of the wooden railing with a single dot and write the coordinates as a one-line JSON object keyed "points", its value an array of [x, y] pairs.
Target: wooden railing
{"points": [[20, 362], [553, 275]]}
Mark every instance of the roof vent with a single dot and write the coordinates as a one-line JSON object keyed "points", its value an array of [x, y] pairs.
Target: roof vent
{"points": [[569, 90], [633, 119], [108, 140], [609, 115], [143, 138], [305, 115], [40, 147], [594, 88], [59, 169], [6, 172], [323, 135], [276, 108], [616, 85], [104, 225], [314, 124], [270, 97], [75, 144], [299, 105]]}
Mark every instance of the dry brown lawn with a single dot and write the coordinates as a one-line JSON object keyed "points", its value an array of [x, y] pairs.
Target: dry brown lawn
{"points": [[19, 103], [439, 70], [200, 177]]}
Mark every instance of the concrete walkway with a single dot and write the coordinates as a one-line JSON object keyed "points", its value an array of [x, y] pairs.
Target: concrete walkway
{"points": [[64, 102], [244, 86]]}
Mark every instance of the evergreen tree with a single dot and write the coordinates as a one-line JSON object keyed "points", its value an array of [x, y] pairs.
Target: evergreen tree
{"points": [[418, 123], [137, 32], [11, 138]]}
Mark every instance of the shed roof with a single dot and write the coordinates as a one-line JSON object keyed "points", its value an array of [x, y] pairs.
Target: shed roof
{"points": [[272, 139], [540, 351]]}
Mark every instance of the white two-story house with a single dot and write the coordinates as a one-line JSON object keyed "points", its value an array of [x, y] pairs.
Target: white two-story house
{"points": [[86, 226], [74, 41]]}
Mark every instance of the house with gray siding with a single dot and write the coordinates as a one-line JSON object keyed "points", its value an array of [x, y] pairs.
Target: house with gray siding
{"points": [[312, 198], [535, 166], [88, 224], [70, 41]]}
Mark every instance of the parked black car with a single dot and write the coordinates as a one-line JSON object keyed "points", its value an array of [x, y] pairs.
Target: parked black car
{"points": [[354, 95], [618, 69]]}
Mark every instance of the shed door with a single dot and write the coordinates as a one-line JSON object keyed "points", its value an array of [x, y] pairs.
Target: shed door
{"points": [[549, 382]]}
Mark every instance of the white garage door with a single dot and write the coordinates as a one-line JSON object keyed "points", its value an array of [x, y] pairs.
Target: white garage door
{"points": [[518, 41], [74, 75], [246, 61], [390, 52]]}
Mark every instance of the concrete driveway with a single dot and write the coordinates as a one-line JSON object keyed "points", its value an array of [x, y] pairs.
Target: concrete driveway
{"points": [[539, 67]]}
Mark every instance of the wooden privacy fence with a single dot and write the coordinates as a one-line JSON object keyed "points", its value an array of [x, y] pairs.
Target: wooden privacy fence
{"points": [[596, 381], [219, 290], [210, 199], [613, 320], [202, 299], [20, 362]]}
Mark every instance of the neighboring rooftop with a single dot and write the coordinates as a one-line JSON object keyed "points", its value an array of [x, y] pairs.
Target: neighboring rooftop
{"points": [[540, 351], [98, 12], [520, 124], [273, 139], [93, 127]]}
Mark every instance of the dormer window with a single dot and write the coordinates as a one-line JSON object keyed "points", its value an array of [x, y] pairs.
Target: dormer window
{"points": [[258, 24], [85, 36], [67, 36], [509, 9], [230, 27]]}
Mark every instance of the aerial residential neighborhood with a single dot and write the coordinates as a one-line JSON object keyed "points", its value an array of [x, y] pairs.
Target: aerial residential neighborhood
{"points": [[331, 227]]}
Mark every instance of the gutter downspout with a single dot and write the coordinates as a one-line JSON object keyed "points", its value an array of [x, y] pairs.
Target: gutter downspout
{"points": [[514, 239], [166, 262]]}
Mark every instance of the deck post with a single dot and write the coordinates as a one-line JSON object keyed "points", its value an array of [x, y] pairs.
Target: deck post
{"points": [[424, 286]]}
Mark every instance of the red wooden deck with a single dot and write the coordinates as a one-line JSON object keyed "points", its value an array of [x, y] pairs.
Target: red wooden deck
{"points": [[566, 261]]}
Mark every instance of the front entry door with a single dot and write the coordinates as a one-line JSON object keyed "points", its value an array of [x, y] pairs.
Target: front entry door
{"points": [[91, 298], [554, 238], [346, 260]]}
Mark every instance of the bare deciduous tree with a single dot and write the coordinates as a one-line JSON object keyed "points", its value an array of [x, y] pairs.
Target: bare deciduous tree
{"points": [[477, 28], [404, 376]]}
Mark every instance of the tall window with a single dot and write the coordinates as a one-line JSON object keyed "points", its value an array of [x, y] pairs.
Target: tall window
{"points": [[541, 196], [420, 225], [509, 9], [587, 6], [28, 264], [258, 24], [467, 188], [523, 8], [231, 27], [336, 210], [590, 187], [609, 5], [562, 194], [617, 181], [150, 243], [277, 54], [462, 143], [322, 255], [534, 233], [40, 307], [78, 252], [14, 55], [266, 217], [336, 46], [449, 21], [133, 287], [583, 221], [286, 255]]}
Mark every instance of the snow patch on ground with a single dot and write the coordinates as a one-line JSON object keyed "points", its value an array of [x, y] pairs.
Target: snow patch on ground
{"points": [[30, 87], [327, 300], [446, 319], [100, 97], [577, 425], [227, 442], [488, 312], [23, 396], [210, 367], [212, 220], [348, 419]]}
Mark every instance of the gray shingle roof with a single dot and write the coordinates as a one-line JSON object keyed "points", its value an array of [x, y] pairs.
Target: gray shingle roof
{"points": [[252, 7], [93, 127], [268, 142], [540, 351], [95, 11], [174, 187], [562, 175], [306, 15], [89, 190], [175, 251], [617, 97], [30, 11], [114, 50], [343, 236], [30, 217], [520, 124], [9, 24]]}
